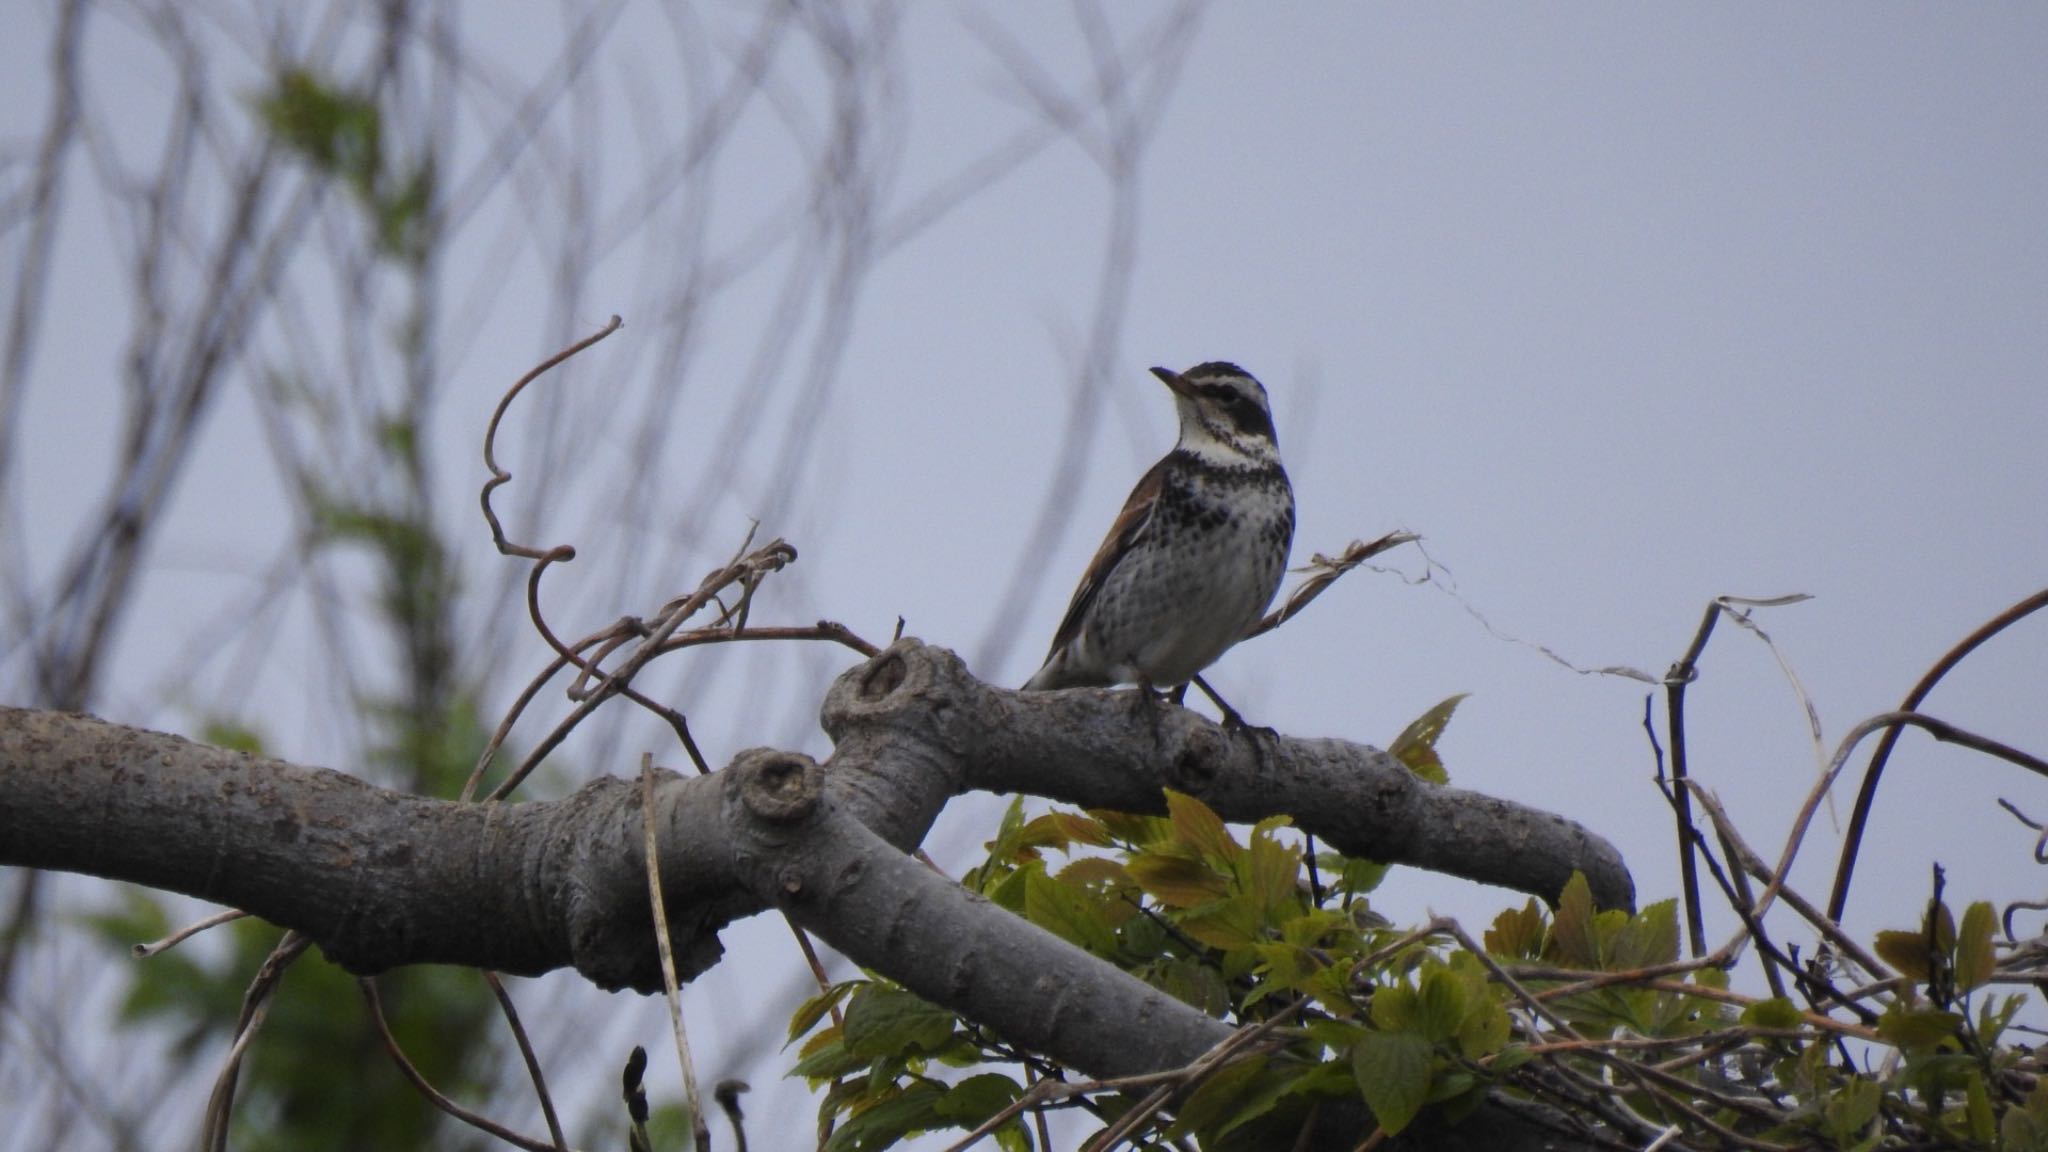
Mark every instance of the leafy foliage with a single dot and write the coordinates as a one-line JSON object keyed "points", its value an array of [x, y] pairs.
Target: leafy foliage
{"points": [[1569, 1005], [339, 133]]}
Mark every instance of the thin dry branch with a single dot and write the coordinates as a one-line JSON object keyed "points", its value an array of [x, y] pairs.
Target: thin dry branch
{"points": [[528, 1057], [1324, 571], [1866, 793], [434, 1095], [255, 1009]]}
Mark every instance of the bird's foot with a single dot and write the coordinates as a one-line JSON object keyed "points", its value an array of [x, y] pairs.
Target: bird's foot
{"points": [[1232, 719]]}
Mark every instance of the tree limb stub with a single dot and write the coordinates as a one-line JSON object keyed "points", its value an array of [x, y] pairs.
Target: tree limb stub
{"points": [[381, 878]]}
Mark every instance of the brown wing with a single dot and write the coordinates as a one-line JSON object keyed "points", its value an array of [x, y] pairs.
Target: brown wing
{"points": [[1129, 528]]}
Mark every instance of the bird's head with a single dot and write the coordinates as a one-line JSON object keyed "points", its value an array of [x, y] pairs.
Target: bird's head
{"points": [[1223, 412]]}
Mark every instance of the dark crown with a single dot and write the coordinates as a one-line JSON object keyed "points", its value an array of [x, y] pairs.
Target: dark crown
{"points": [[1213, 368]]}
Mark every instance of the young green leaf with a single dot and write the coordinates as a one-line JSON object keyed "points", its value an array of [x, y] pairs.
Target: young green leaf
{"points": [[886, 1021], [1918, 1029], [1573, 937], [1393, 1073], [1071, 913], [1415, 747], [1973, 947], [977, 1098], [1650, 937], [1776, 1012], [1173, 876], [1904, 951], [1517, 933], [1196, 825], [813, 1010]]}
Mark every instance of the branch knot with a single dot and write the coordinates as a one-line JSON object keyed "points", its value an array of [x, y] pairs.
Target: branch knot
{"points": [[778, 787]]}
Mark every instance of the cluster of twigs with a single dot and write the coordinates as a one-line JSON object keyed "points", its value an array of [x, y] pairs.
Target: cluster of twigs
{"points": [[606, 661]]}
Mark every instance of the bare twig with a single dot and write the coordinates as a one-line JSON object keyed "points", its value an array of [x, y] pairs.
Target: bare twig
{"points": [[526, 1054], [1682, 673], [145, 951], [500, 476], [255, 1009], [1324, 571], [1866, 794], [433, 1094], [700, 1129]]}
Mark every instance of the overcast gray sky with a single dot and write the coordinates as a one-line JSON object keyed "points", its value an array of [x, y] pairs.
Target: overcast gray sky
{"points": [[1619, 307]]}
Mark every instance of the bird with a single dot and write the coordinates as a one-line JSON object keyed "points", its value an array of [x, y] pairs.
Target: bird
{"points": [[1196, 555]]}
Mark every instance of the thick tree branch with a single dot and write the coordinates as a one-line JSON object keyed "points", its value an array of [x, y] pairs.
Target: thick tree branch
{"points": [[914, 717], [381, 878]]}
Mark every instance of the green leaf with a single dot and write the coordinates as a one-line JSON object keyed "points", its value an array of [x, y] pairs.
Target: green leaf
{"points": [[1994, 1014], [1133, 828], [977, 1098], [1395, 1008], [1650, 937], [1440, 1003], [1354, 877], [1977, 1104], [1973, 947], [886, 1021], [1071, 913], [825, 1056], [1272, 868], [1192, 983], [1572, 934], [882, 1125], [1214, 1100], [1517, 934], [1918, 1029], [813, 1010], [1849, 1112], [1226, 924], [229, 734], [1904, 951], [403, 215], [1285, 967], [1776, 1012], [1007, 845], [1512, 1057], [2025, 1128], [1175, 877], [1415, 747], [1007, 893], [1393, 1073], [1043, 831], [336, 131], [1196, 825], [1090, 871], [1083, 829], [1485, 1032]]}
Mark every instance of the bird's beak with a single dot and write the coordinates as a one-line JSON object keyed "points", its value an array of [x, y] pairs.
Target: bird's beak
{"points": [[1175, 381]]}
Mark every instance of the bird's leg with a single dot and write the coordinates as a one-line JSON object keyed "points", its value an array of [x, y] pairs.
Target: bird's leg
{"points": [[1178, 695], [1149, 702], [1231, 719], [1147, 695]]}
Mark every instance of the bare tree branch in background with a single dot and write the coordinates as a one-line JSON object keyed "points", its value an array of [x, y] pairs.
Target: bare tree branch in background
{"points": [[328, 297]]}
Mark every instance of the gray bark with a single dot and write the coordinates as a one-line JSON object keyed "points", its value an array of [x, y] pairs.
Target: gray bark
{"points": [[381, 879]]}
